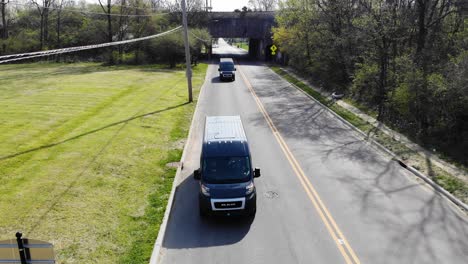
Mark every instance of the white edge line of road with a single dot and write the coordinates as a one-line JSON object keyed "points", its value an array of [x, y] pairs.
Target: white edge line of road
{"points": [[156, 255], [394, 157]]}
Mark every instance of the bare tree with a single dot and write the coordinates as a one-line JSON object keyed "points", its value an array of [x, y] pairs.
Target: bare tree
{"points": [[139, 24], [58, 27], [4, 31], [123, 26], [430, 15], [195, 14], [263, 5], [108, 10], [157, 4], [44, 11], [191, 5]]}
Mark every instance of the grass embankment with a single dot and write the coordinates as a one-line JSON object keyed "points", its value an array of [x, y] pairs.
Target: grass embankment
{"points": [[242, 45], [452, 184], [83, 154]]}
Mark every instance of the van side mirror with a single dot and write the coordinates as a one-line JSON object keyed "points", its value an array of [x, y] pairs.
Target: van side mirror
{"points": [[235, 69], [219, 69], [257, 173], [196, 174]]}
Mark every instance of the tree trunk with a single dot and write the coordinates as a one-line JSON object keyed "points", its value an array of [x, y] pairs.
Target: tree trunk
{"points": [[109, 31], [121, 30], [46, 22], [59, 44], [58, 29], [41, 34], [420, 92], [137, 48], [4, 33], [382, 93], [422, 30]]}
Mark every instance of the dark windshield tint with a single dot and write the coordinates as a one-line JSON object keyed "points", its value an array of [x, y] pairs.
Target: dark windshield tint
{"points": [[227, 66], [226, 169]]}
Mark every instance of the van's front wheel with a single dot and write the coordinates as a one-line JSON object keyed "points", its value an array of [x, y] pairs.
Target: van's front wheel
{"points": [[252, 211], [203, 212]]}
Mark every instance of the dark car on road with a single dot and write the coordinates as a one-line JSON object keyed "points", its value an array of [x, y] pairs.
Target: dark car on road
{"points": [[226, 174], [227, 69]]}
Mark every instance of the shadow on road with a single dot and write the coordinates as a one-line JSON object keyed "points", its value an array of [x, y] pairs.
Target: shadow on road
{"points": [[216, 80], [419, 225], [186, 229]]}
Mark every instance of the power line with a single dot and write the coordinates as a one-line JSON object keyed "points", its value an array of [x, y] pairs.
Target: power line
{"points": [[30, 55], [141, 8], [203, 40], [89, 12]]}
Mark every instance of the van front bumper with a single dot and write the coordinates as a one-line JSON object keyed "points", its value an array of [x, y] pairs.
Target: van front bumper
{"points": [[230, 76], [228, 206]]}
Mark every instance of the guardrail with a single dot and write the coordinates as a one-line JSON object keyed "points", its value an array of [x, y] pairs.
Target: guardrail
{"points": [[26, 251]]}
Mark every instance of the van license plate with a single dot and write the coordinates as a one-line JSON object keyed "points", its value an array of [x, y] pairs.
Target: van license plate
{"points": [[228, 204]]}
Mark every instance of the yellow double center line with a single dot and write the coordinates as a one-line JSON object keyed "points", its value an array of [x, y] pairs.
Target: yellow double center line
{"points": [[340, 240]]}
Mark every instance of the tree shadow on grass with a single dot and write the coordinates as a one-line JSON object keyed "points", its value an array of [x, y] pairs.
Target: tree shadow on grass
{"points": [[89, 132], [15, 73], [59, 197]]}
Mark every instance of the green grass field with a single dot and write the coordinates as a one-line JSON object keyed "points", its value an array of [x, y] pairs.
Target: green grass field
{"points": [[241, 45], [83, 154]]}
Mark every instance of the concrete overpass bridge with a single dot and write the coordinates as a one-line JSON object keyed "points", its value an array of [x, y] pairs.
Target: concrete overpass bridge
{"points": [[253, 25]]}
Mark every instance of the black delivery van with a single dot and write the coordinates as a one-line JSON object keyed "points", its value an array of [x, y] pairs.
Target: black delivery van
{"points": [[226, 174], [227, 69]]}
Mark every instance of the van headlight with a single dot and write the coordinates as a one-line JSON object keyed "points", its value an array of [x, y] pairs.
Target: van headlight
{"points": [[205, 190], [249, 188]]}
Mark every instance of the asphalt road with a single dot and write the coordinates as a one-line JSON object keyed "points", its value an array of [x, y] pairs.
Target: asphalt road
{"points": [[325, 196]]}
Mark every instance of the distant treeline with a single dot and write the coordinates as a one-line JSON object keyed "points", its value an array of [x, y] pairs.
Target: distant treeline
{"points": [[50, 24], [406, 60]]}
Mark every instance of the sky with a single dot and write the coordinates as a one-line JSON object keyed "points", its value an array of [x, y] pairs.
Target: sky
{"points": [[228, 5]]}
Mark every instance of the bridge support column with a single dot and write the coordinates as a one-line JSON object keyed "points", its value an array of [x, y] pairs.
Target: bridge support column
{"points": [[253, 48], [257, 49]]}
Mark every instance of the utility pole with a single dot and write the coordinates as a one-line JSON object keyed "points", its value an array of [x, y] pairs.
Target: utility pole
{"points": [[187, 52]]}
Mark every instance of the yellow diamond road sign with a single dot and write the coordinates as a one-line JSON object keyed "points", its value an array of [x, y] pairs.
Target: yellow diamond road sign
{"points": [[273, 49]]}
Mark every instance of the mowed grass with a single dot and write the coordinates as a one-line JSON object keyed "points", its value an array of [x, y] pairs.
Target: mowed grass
{"points": [[242, 45], [83, 154]]}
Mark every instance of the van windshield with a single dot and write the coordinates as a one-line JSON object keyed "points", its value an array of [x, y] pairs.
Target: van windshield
{"points": [[226, 66], [226, 169]]}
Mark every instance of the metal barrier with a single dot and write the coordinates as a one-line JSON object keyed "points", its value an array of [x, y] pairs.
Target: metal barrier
{"points": [[26, 251]]}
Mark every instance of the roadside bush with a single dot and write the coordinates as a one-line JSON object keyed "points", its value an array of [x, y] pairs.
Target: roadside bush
{"points": [[365, 85], [168, 49]]}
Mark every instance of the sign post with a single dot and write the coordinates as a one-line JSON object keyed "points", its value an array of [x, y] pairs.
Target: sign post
{"points": [[21, 251]]}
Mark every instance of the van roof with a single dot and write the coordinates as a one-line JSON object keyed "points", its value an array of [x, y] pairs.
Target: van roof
{"points": [[226, 60], [224, 128], [224, 137]]}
